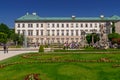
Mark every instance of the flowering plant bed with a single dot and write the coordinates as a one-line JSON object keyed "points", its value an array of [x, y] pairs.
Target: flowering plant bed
{"points": [[66, 66], [32, 77]]}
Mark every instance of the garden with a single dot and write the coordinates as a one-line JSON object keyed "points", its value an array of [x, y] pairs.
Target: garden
{"points": [[61, 66]]}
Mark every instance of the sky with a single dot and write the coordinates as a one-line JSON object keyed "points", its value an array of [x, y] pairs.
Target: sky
{"points": [[10, 10]]}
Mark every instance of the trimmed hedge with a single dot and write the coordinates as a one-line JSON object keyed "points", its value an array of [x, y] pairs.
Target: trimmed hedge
{"points": [[41, 48]]}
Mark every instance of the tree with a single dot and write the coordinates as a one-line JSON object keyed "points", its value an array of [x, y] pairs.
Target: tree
{"points": [[17, 39], [5, 29], [89, 38], [10, 34], [113, 36], [3, 37], [94, 36]]}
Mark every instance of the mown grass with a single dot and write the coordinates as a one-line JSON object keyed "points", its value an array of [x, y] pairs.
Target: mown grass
{"points": [[62, 70]]}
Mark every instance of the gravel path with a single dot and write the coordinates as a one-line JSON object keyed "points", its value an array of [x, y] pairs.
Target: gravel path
{"points": [[13, 53]]}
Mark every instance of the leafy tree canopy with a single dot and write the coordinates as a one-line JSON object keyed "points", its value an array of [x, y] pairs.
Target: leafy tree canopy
{"points": [[113, 36], [3, 37], [5, 29], [89, 38], [17, 38]]}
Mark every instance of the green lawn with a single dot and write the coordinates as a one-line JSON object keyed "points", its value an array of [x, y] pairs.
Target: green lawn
{"points": [[66, 66]]}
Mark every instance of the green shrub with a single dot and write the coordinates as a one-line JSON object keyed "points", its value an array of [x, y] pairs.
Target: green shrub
{"points": [[46, 46], [41, 48]]}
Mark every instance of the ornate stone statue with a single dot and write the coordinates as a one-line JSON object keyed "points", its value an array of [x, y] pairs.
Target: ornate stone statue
{"points": [[83, 39], [103, 43]]}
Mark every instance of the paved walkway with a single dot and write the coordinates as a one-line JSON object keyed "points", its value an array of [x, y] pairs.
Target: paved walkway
{"points": [[13, 53]]}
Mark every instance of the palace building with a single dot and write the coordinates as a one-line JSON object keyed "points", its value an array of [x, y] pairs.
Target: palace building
{"points": [[41, 30]]}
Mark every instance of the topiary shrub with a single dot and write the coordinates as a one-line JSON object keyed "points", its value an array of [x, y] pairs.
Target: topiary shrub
{"points": [[41, 48]]}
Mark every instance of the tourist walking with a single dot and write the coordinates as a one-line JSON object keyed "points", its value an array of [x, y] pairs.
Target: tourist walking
{"points": [[5, 47]]}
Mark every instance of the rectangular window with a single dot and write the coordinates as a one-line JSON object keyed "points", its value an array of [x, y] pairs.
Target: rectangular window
{"points": [[28, 25], [31, 25], [57, 32], [53, 32], [37, 40], [95, 25], [48, 25], [57, 25], [86, 25], [91, 25], [81, 25], [41, 25], [23, 32], [90, 30], [71, 24], [37, 32], [18, 31], [72, 33], [86, 30], [37, 25], [62, 32], [53, 39], [48, 32], [30, 32], [58, 40], [41, 40], [23, 25], [62, 25], [67, 25], [76, 25], [41, 32], [77, 33], [67, 32], [48, 40], [62, 40], [53, 25], [18, 25]]}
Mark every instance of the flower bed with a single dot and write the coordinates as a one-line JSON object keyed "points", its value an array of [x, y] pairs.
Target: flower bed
{"points": [[34, 58], [32, 77]]}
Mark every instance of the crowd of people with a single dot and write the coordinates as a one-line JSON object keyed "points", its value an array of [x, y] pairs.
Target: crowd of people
{"points": [[72, 45]]}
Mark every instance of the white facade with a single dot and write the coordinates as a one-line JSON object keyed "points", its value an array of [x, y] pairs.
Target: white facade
{"points": [[63, 29], [54, 32]]}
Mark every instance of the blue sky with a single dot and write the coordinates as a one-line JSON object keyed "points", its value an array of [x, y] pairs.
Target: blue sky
{"points": [[13, 9]]}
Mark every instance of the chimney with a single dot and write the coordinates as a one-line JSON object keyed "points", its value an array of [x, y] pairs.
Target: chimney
{"points": [[73, 17], [34, 14], [101, 16]]}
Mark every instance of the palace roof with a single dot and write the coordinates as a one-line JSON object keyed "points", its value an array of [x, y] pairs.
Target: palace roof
{"points": [[35, 17]]}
